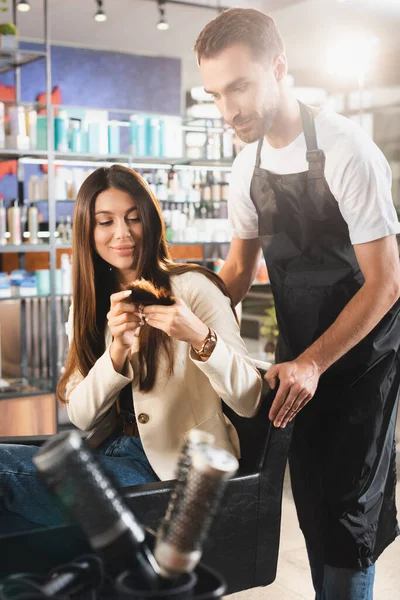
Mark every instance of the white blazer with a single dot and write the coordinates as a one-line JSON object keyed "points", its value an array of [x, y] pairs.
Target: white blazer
{"points": [[189, 399]]}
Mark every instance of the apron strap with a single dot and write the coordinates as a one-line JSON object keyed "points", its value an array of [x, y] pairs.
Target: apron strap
{"points": [[315, 157], [258, 155]]}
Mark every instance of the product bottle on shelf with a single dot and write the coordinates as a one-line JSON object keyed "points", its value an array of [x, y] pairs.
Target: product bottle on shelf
{"points": [[3, 223], [24, 217], [17, 137], [206, 192], [153, 136], [168, 220], [34, 192], [209, 149], [33, 224], [31, 125], [137, 136], [113, 137], [44, 188], [61, 131], [216, 147], [195, 192], [76, 136], [66, 274], [227, 143], [162, 137], [61, 231], [68, 230], [162, 185], [172, 183], [14, 223], [191, 214], [224, 190]]}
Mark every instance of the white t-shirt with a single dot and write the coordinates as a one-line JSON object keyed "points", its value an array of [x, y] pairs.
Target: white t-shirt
{"points": [[357, 173]]}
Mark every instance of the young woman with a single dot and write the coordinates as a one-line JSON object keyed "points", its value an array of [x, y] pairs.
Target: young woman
{"points": [[172, 365]]}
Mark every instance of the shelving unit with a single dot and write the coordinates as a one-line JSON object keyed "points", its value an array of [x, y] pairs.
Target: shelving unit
{"points": [[15, 60]]}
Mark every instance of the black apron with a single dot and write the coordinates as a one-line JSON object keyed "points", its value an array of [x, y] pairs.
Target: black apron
{"points": [[342, 458]]}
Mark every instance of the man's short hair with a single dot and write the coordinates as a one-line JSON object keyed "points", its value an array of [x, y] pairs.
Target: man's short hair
{"points": [[247, 26]]}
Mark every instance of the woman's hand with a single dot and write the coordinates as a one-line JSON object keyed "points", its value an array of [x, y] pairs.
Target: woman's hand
{"points": [[178, 321], [124, 324]]}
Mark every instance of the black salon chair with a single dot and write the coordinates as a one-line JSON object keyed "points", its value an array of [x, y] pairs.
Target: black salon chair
{"points": [[243, 542]]}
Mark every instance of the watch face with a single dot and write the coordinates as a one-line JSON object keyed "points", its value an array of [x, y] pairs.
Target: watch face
{"points": [[209, 346]]}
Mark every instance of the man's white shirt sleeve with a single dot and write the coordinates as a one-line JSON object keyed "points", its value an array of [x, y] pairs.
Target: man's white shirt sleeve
{"points": [[365, 196]]}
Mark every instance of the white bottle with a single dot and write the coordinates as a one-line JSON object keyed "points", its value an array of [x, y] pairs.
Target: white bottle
{"points": [[34, 189], [31, 121], [68, 230], [14, 223], [3, 223], [33, 224], [17, 121], [66, 274], [61, 231], [227, 143], [44, 188]]}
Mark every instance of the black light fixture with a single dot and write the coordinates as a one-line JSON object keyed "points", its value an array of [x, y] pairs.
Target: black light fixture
{"points": [[100, 16], [162, 24], [23, 6]]}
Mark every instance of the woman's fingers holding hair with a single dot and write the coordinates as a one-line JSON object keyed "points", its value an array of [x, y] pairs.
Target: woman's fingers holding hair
{"points": [[120, 319], [119, 297]]}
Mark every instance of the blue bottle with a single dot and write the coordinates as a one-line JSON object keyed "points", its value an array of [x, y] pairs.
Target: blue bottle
{"points": [[61, 132], [162, 138], [94, 138], [153, 136], [41, 132], [137, 136], [76, 137], [113, 138]]}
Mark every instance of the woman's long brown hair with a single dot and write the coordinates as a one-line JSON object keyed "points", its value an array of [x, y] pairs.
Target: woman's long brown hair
{"points": [[94, 280]]}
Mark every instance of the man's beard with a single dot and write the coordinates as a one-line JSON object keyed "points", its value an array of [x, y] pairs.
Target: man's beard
{"points": [[260, 126]]}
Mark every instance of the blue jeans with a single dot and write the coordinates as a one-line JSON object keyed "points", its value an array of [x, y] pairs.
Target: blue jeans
{"points": [[333, 583], [23, 492]]}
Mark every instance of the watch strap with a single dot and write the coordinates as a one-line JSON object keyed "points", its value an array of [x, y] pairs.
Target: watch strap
{"points": [[203, 352]]}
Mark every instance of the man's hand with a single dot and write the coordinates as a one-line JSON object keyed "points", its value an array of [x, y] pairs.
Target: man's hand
{"points": [[298, 380]]}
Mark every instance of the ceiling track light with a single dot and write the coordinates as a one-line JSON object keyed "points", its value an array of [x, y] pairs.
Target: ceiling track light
{"points": [[162, 24], [23, 6], [100, 16]]}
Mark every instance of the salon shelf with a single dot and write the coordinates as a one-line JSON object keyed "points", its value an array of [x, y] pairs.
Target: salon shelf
{"points": [[25, 248], [21, 387], [46, 200], [24, 155], [101, 160], [12, 59], [33, 296], [204, 163], [104, 160]]}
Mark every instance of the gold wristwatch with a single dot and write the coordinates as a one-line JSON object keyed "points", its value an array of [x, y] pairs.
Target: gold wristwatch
{"points": [[207, 346]]}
